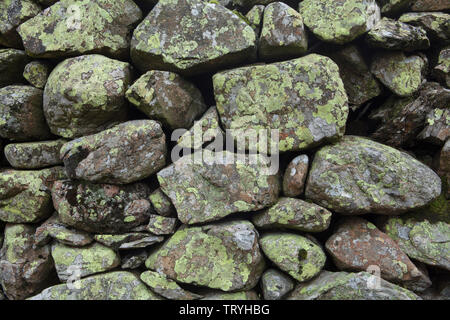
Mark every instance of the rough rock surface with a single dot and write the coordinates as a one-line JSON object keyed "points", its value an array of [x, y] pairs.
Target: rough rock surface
{"points": [[161, 203], [430, 5], [161, 225], [36, 73], [442, 69], [255, 17], [275, 284], [295, 176], [34, 155], [435, 24], [437, 129], [131, 240], [12, 63]]}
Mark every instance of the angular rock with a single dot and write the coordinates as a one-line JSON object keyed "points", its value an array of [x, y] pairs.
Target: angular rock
{"points": [[21, 115], [161, 225], [349, 286], [130, 240], [24, 269], [134, 259], [283, 34], [436, 24], [191, 37], [241, 295], [358, 175], [85, 95], [126, 153], [12, 14], [395, 35], [25, 196], [34, 155], [72, 28], [118, 285], [401, 74], [167, 288], [359, 82], [275, 284], [223, 256], [443, 166], [339, 21], [392, 7], [295, 214], [207, 186], [430, 5], [101, 208], [357, 245], [442, 69], [295, 176], [161, 203], [437, 129], [12, 63], [300, 257], [167, 97], [255, 17], [303, 98], [75, 263], [36, 73]]}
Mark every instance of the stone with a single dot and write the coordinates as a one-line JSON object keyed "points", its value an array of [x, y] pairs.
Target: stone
{"points": [[162, 204], [395, 35], [437, 129], [401, 74], [12, 64], [34, 155], [339, 21], [283, 34], [21, 114], [126, 153], [24, 269], [101, 208], [223, 256], [134, 260], [191, 37], [205, 130], [53, 228], [358, 175], [443, 166], [402, 119], [295, 214], [228, 296], [430, 5], [117, 285], [359, 83], [71, 28], [131, 240], [436, 24], [295, 176], [167, 97], [357, 245], [208, 186], [250, 3], [349, 286], [294, 254], [161, 225], [86, 95], [393, 7], [442, 69], [36, 73], [255, 17], [75, 263], [167, 288], [303, 98], [25, 196], [275, 284], [12, 14]]}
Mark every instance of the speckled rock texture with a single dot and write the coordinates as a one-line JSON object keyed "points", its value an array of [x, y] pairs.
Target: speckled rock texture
{"points": [[12, 64], [34, 155]]}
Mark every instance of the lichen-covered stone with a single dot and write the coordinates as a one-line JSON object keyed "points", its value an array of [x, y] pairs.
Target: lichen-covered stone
{"points": [[85, 95], [303, 98], [126, 153], [12, 14], [437, 129], [442, 69], [21, 115], [228, 296], [101, 208], [167, 97], [395, 35], [73, 27], [25, 196], [295, 176], [283, 34], [359, 83], [358, 175], [300, 257], [161, 225], [118, 285], [131, 240], [24, 269], [191, 37], [255, 17], [401, 74], [430, 5], [223, 256], [339, 21], [34, 155], [36, 73], [358, 244], [162, 204], [275, 284], [12, 63], [296, 214], [133, 260], [443, 166], [208, 186], [349, 286], [436, 24], [393, 7], [81, 262], [167, 288]]}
